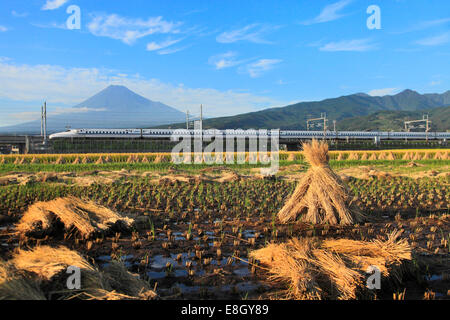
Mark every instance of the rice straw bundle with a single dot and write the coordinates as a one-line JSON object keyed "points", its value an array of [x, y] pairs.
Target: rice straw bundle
{"points": [[100, 160], [373, 156], [364, 156], [218, 157], [158, 159], [198, 158], [390, 156], [15, 285], [76, 161], [131, 159], [291, 157], [252, 157], [145, 159], [60, 160], [49, 265], [438, 156], [331, 269], [353, 156], [407, 156], [321, 196], [45, 261], [86, 217], [86, 160], [340, 156], [382, 156], [264, 157]]}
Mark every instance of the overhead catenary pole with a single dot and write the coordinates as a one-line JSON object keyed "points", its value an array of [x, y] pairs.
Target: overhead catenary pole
{"points": [[425, 118], [45, 121], [42, 120], [187, 120], [201, 117]]}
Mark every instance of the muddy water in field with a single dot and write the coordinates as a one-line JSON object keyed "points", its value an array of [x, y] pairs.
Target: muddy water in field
{"points": [[213, 263]]}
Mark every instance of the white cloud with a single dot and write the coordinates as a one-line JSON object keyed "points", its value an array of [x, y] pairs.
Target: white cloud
{"points": [[261, 66], [70, 86], [425, 25], [329, 13], [53, 4], [436, 40], [128, 30], [152, 46], [252, 33], [225, 60], [171, 50], [49, 25], [33, 115], [18, 14], [382, 92], [349, 45], [3, 29], [435, 83]]}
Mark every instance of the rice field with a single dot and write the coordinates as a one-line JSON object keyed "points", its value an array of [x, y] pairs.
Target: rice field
{"points": [[212, 231]]}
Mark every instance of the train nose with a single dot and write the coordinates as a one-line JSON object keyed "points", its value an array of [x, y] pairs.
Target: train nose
{"points": [[60, 135]]}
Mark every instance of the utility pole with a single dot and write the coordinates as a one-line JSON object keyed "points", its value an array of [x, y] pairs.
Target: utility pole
{"points": [[201, 117], [42, 120], [187, 120], [45, 122]]}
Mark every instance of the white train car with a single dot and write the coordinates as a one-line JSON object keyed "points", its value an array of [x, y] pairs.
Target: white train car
{"points": [[283, 134]]}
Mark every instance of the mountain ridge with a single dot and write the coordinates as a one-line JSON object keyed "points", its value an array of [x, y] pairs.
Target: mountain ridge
{"points": [[118, 107], [294, 116], [114, 107]]}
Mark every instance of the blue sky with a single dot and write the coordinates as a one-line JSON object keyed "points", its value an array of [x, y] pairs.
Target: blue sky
{"points": [[231, 56]]}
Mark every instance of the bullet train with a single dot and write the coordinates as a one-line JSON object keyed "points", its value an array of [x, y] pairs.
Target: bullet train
{"points": [[173, 134]]}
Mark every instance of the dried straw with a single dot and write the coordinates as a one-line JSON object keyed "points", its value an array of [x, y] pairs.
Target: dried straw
{"points": [[353, 156], [331, 269], [15, 285], [291, 157], [76, 161], [86, 217], [160, 159], [60, 160], [49, 265], [46, 262], [100, 160], [390, 156], [407, 156], [321, 196]]}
